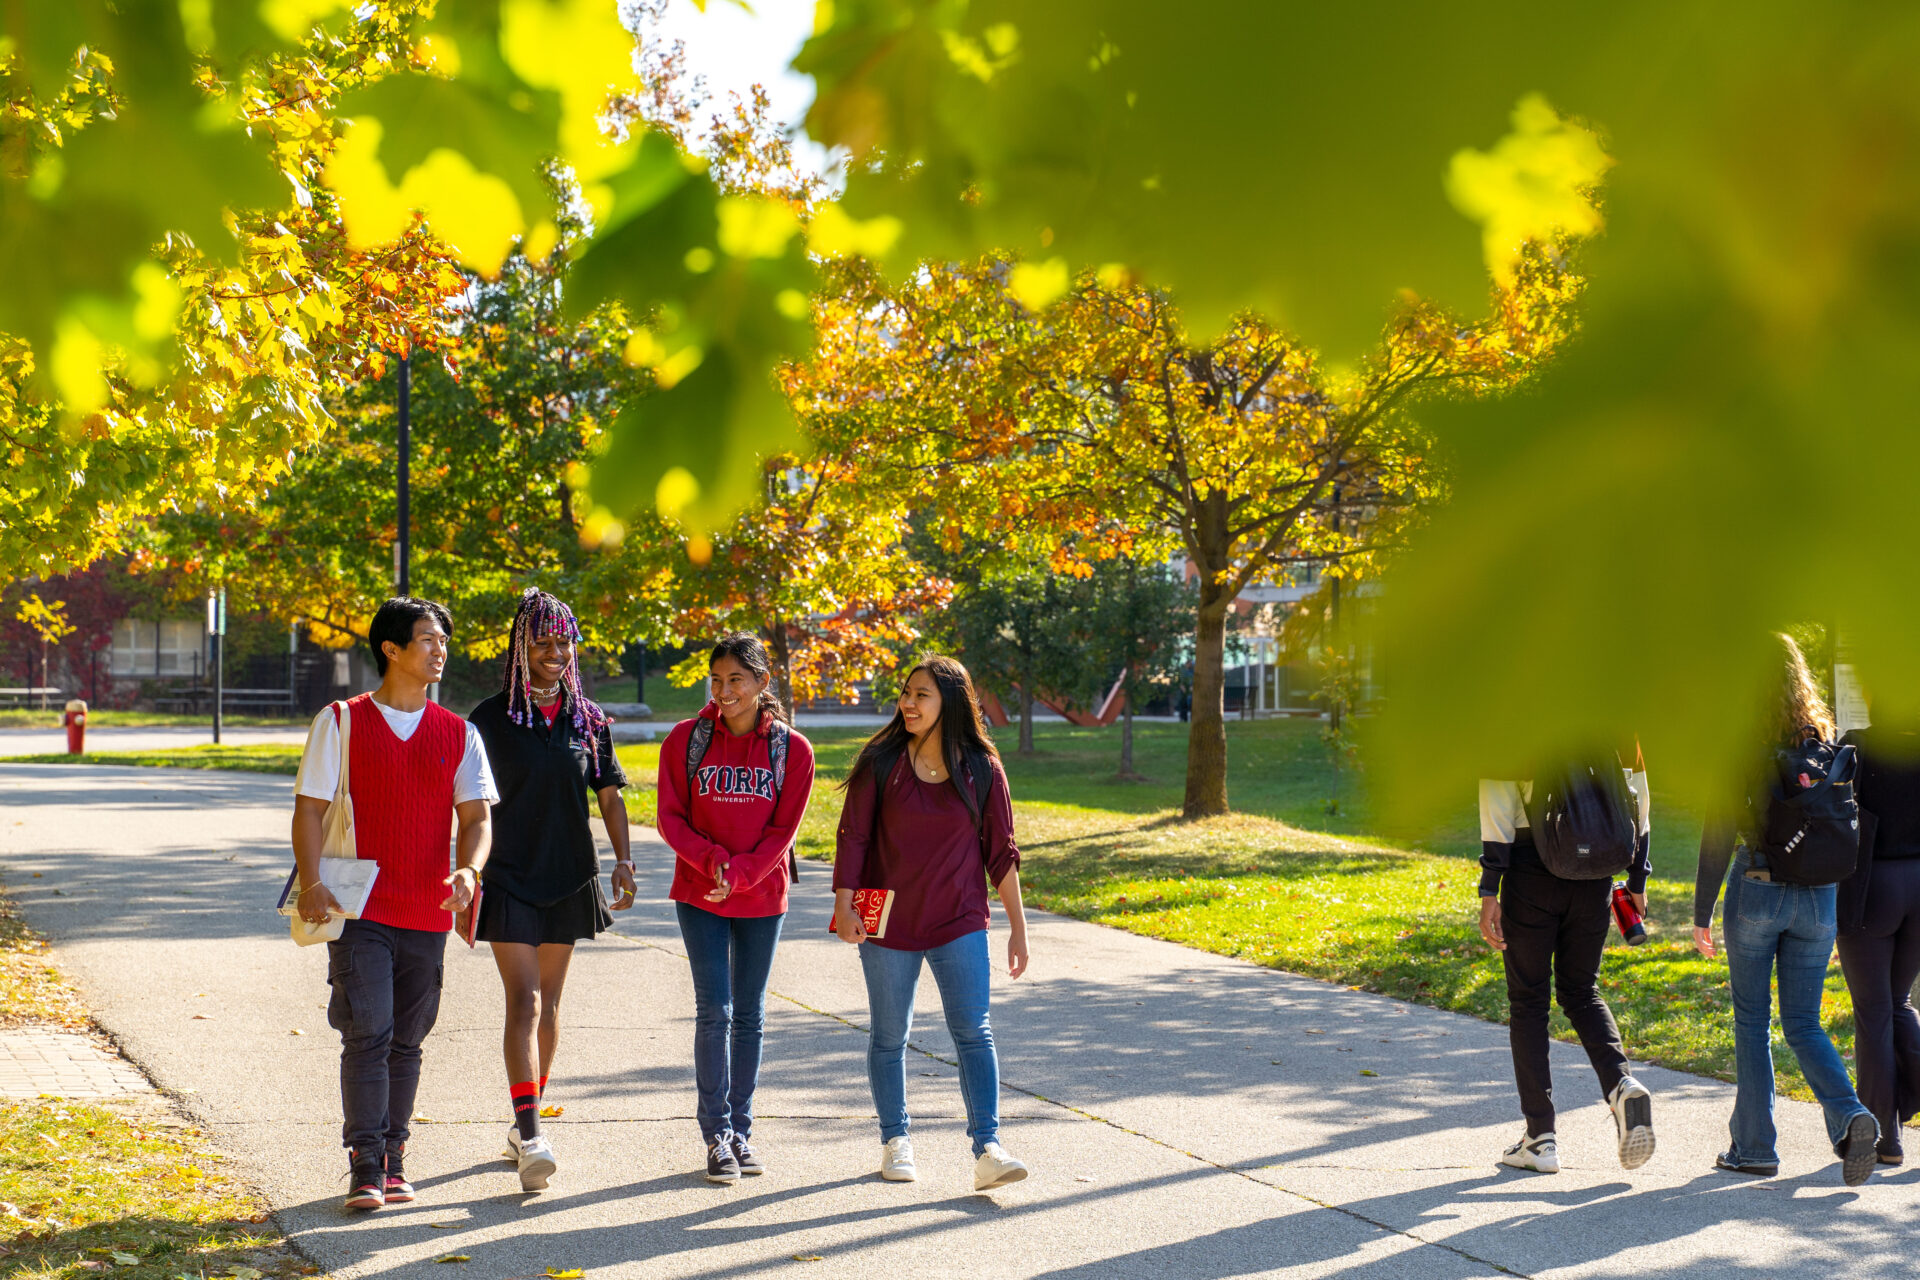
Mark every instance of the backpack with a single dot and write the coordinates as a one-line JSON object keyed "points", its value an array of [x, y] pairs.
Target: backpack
{"points": [[1584, 820], [1808, 827], [778, 735]]}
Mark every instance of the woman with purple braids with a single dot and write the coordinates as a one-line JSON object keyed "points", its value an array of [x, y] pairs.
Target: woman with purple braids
{"points": [[551, 748]]}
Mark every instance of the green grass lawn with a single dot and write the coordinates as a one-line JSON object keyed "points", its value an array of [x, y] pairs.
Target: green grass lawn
{"points": [[123, 1186], [248, 758], [15, 718], [1298, 878]]}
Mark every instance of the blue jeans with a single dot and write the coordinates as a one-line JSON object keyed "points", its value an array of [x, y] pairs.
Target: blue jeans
{"points": [[962, 971], [731, 960], [1787, 928]]}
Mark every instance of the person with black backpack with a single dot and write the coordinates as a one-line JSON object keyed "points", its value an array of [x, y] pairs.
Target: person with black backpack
{"points": [[1549, 851], [1879, 917], [1781, 852], [926, 826], [734, 783]]}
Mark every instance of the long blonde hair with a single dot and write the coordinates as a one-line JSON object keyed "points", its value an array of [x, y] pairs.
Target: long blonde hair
{"points": [[1798, 702]]}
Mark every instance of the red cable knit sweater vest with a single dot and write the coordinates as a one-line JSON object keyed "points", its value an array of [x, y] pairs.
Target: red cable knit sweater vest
{"points": [[403, 811]]}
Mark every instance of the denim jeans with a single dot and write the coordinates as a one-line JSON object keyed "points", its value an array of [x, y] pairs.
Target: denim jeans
{"points": [[386, 996], [731, 959], [962, 971], [1788, 929]]}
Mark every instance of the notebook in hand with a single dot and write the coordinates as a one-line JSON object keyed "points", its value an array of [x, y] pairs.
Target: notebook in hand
{"points": [[873, 906], [349, 879]]}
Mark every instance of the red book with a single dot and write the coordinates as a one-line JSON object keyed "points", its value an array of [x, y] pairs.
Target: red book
{"points": [[466, 922], [873, 906]]}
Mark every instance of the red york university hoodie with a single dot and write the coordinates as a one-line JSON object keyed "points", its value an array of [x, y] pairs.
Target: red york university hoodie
{"points": [[727, 815]]}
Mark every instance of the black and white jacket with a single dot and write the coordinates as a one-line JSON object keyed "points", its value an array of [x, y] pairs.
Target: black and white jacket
{"points": [[1503, 826]]}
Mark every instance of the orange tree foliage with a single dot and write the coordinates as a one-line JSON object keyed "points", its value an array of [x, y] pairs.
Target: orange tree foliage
{"points": [[1099, 428]]}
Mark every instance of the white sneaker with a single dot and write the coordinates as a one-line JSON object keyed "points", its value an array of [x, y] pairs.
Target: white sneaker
{"points": [[995, 1168], [512, 1154], [896, 1160], [1632, 1108], [536, 1163], [1541, 1154]]}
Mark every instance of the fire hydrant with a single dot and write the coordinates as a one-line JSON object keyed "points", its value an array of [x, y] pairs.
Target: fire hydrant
{"points": [[76, 721]]}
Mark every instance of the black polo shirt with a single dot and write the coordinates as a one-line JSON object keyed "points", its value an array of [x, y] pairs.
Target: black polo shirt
{"points": [[543, 850]]}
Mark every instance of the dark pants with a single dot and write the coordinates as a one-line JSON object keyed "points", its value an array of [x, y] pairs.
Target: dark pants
{"points": [[1881, 962], [386, 995], [1555, 931], [731, 959]]}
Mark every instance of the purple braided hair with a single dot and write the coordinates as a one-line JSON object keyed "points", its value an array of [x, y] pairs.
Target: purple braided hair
{"points": [[539, 615]]}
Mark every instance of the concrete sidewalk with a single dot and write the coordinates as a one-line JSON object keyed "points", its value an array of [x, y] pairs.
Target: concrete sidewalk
{"points": [[1186, 1115]]}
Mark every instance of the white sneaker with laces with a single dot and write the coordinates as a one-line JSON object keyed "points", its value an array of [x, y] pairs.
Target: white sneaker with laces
{"points": [[536, 1163], [896, 1160], [1632, 1108], [995, 1168], [1541, 1154]]}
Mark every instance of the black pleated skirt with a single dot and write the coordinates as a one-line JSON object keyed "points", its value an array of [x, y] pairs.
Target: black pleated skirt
{"points": [[580, 915]]}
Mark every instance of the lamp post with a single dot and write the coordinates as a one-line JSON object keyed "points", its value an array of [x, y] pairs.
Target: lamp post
{"points": [[216, 631], [402, 549]]}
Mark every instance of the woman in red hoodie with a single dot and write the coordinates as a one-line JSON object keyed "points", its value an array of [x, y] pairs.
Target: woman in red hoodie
{"points": [[734, 783]]}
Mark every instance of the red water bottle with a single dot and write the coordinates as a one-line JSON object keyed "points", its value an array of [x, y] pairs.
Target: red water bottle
{"points": [[1632, 925]]}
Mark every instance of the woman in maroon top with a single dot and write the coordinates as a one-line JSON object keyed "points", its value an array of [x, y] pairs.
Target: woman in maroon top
{"points": [[928, 817], [734, 783]]}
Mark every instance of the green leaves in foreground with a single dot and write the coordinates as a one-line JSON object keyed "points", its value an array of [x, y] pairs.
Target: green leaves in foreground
{"points": [[1730, 447]]}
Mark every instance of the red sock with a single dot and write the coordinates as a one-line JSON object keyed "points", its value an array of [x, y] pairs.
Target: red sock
{"points": [[543, 1086], [526, 1109]]}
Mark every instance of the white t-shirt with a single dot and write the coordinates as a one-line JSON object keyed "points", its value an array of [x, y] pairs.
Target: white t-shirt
{"points": [[320, 762]]}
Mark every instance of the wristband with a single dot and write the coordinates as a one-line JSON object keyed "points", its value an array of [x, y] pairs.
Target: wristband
{"points": [[623, 862]]}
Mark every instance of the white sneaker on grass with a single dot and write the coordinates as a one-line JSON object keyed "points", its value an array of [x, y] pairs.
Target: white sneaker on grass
{"points": [[896, 1160], [1540, 1154], [1632, 1108], [995, 1168], [536, 1163]]}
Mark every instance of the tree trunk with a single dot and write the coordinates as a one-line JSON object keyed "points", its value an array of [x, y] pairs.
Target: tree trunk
{"points": [[782, 656], [1207, 735], [1126, 740], [1026, 721]]}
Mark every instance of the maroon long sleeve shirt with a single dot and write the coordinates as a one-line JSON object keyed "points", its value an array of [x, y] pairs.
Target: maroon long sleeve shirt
{"points": [[927, 848]]}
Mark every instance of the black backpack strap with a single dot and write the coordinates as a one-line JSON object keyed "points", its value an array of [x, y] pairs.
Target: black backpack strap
{"points": [[980, 776], [697, 743], [883, 767], [779, 735]]}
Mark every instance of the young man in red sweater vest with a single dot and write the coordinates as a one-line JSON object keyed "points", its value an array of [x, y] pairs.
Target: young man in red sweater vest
{"points": [[412, 767]]}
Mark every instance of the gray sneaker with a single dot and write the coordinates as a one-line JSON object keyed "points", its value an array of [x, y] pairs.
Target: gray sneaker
{"points": [[722, 1165], [743, 1155], [1541, 1154], [1632, 1108]]}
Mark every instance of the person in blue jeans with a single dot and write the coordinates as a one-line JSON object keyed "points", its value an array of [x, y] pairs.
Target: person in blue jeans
{"points": [[1787, 930], [734, 782], [928, 819]]}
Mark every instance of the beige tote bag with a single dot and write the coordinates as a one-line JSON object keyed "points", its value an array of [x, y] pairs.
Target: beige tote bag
{"points": [[336, 838]]}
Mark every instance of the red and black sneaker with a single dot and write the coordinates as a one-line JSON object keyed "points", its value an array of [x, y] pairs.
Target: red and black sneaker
{"points": [[399, 1190], [368, 1179]]}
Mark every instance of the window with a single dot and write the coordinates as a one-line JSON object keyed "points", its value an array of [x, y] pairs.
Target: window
{"points": [[170, 647]]}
